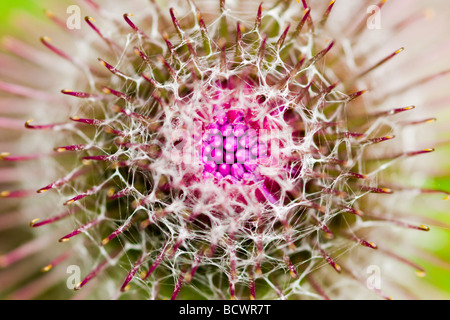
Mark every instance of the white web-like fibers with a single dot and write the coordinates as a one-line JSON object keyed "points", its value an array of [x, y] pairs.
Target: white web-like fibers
{"points": [[232, 223]]}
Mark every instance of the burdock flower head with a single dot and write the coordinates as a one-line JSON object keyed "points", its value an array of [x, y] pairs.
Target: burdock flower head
{"points": [[213, 150]]}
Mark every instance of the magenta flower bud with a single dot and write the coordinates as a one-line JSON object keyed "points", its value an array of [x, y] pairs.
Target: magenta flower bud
{"points": [[259, 150], [216, 141], [206, 137], [242, 155], [230, 157], [218, 175], [230, 144], [210, 167], [248, 176], [226, 130], [237, 170], [235, 116], [221, 118], [207, 175], [224, 169], [251, 132], [217, 155], [206, 149], [248, 141], [250, 167], [239, 130], [213, 129]]}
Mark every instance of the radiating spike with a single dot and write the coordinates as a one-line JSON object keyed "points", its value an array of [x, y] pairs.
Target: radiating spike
{"points": [[113, 69], [389, 57], [381, 139], [133, 26], [124, 227], [420, 271], [16, 193], [291, 74], [417, 83], [400, 223], [34, 223], [46, 42], [60, 182], [329, 259], [300, 25], [252, 287], [378, 190], [204, 31], [356, 175], [403, 155], [53, 126], [416, 122], [363, 24], [317, 99], [362, 242], [93, 4], [87, 193], [99, 268], [223, 56], [189, 276], [328, 234], [363, 281], [176, 24], [79, 230], [59, 22], [6, 156], [355, 95], [239, 44], [320, 55], [258, 18], [74, 147], [169, 68], [25, 250], [57, 261], [118, 94], [156, 263], [392, 111], [223, 28], [308, 18], [125, 285], [262, 49], [233, 265], [178, 285], [282, 38], [131, 114], [327, 13], [304, 91], [90, 21], [292, 270], [348, 134], [82, 95], [144, 56]]}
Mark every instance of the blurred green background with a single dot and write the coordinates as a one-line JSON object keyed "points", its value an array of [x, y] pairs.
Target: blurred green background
{"points": [[9, 7], [438, 274]]}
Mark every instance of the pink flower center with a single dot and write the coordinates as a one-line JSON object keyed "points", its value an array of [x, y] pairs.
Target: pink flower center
{"points": [[231, 148]]}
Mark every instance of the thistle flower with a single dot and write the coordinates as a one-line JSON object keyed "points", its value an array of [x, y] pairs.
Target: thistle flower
{"points": [[215, 150]]}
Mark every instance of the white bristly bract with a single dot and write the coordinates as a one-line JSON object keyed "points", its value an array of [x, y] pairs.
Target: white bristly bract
{"points": [[221, 149]]}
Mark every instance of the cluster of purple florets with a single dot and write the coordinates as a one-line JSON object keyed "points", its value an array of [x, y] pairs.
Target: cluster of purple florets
{"points": [[232, 148]]}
